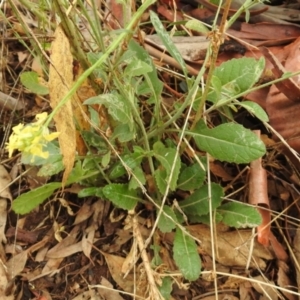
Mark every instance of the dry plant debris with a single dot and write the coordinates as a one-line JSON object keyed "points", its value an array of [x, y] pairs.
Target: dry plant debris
{"points": [[131, 112]]}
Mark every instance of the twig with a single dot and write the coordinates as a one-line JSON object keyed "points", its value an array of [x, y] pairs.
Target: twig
{"points": [[154, 292], [8, 102]]}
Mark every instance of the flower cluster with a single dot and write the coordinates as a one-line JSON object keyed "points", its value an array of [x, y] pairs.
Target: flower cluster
{"points": [[31, 138]]}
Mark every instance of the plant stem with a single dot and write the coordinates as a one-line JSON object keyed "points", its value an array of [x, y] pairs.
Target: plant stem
{"points": [[125, 34], [217, 39]]}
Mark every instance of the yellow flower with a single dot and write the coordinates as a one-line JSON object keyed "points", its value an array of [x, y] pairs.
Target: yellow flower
{"points": [[31, 138], [41, 118]]}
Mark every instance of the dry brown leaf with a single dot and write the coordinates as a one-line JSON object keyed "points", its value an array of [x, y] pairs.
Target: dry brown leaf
{"points": [[233, 282], [60, 81], [284, 281], [100, 209], [115, 264], [245, 291], [33, 179], [288, 87], [130, 259], [218, 170], [296, 248], [16, 264], [278, 248], [84, 213], [264, 289], [63, 249], [41, 254], [41, 244], [87, 295], [108, 294], [88, 240], [258, 197], [222, 296], [66, 204], [122, 237], [282, 102], [233, 247], [51, 266], [191, 48], [3, 283], [5, 180], [79, 112], [37, 67], [22, 56], [22, 235], [3, 219]]}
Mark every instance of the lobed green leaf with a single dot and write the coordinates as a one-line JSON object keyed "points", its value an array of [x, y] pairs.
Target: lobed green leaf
{"points": [[117, 107], [230, 142], [239, 75], [191, 177], [166, 156], [239, 215], [121, 195], [165, 224], [198, 202]]}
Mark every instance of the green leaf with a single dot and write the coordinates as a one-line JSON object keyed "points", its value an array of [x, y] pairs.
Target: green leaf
{"points": [[196, 25], [99, 72], [156, 260], [239, 215], [105, 160], [160, 176], [166, 287], [167, 41], [131, 160], [117, 107], [139, 173], [255, 109], [186, 255], [238, 75], [191, 177], [123, 133], [87, 192], [198, 202], [95, 140], [79, 173], [230, 142], [120, 195], [54, 156], [154, 83], [31, 81], [136, 67], [166, 156], [50, 169], [205, 219], [164, 223], [30, 200], [91, 162], [216, 89]]}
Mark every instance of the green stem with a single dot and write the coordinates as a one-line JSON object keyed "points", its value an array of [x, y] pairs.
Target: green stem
{"points": [[125, 34], [186, 103], [243, 9]]}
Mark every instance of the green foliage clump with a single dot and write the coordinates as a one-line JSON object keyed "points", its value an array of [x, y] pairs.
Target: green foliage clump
{"points": [[149, 151]]}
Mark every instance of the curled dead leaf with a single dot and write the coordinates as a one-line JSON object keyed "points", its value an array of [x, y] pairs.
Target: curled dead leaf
{"points": [[60, 81]]}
